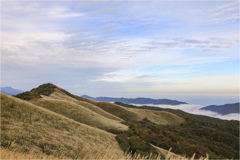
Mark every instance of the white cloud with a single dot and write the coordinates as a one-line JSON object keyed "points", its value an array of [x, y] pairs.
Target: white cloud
{"points": [[62, 12]]}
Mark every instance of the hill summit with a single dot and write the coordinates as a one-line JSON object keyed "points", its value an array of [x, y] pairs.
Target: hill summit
{"points": [[44, 89]]}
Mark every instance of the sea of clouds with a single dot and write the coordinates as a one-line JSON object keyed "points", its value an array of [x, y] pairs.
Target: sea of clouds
{"points": [[195, 109]]}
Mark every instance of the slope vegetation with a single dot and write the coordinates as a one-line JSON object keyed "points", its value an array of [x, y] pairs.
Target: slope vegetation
{"points": [[59, 94], [35, 129], [79, 113], [129, 114], [159, 117]]}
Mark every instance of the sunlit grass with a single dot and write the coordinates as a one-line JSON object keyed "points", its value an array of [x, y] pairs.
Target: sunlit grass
{"points": [[18, 154]]}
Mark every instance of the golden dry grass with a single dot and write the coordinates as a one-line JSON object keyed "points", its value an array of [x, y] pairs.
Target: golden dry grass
{"points": [[58, 94], [9, 154], [117, 112], [106, 109], [31, 127], [79, 113], [14, 154], [158, 117]]}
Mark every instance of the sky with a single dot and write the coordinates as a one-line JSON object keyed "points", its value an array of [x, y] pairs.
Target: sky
{"points": [[182, 50]]}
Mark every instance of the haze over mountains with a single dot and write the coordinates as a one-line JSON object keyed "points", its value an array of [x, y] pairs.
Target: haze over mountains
{"points": [[50, 120], [223, 109], [173, 104], [10, 91], [139, 100]]}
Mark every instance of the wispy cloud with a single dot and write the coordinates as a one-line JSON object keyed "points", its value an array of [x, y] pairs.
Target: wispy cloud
{"points": [[224, 13]]}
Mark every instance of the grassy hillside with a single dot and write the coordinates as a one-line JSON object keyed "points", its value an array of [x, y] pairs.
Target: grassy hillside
{"points": [[32, 128], [59, 94], [79, 113], [159, 117], [121, 112]]}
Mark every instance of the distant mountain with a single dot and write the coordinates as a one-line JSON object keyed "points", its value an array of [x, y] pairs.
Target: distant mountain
{"points": [[223, 109], [136, 100], [10, 91]]}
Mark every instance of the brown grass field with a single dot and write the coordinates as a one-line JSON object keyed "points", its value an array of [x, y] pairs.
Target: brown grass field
{"points": [[31, 127], [58, 94], [8, 154]]}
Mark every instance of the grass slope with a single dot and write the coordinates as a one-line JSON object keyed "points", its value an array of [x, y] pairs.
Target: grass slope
{"points": [[119, 111], [129, 114], [159, 117], [79, 113], [59, 94], [35, 129]]}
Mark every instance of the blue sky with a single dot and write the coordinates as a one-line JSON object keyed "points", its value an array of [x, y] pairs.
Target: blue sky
{"points": [[157, 49]]}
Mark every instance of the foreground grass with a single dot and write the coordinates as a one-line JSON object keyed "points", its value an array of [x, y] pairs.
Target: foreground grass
{"points": [[16, 154]]}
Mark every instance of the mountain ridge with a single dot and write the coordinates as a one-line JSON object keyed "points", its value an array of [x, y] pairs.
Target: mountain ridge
{"points": [[10, 91], [138, 100], [223, 109]]}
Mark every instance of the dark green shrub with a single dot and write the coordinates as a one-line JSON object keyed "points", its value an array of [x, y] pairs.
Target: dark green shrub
{"points": [[139, 146], [123, 142], [164, 145]]}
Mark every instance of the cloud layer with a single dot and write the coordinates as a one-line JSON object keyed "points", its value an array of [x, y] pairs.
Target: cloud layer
{"points": [[195, 109]]}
